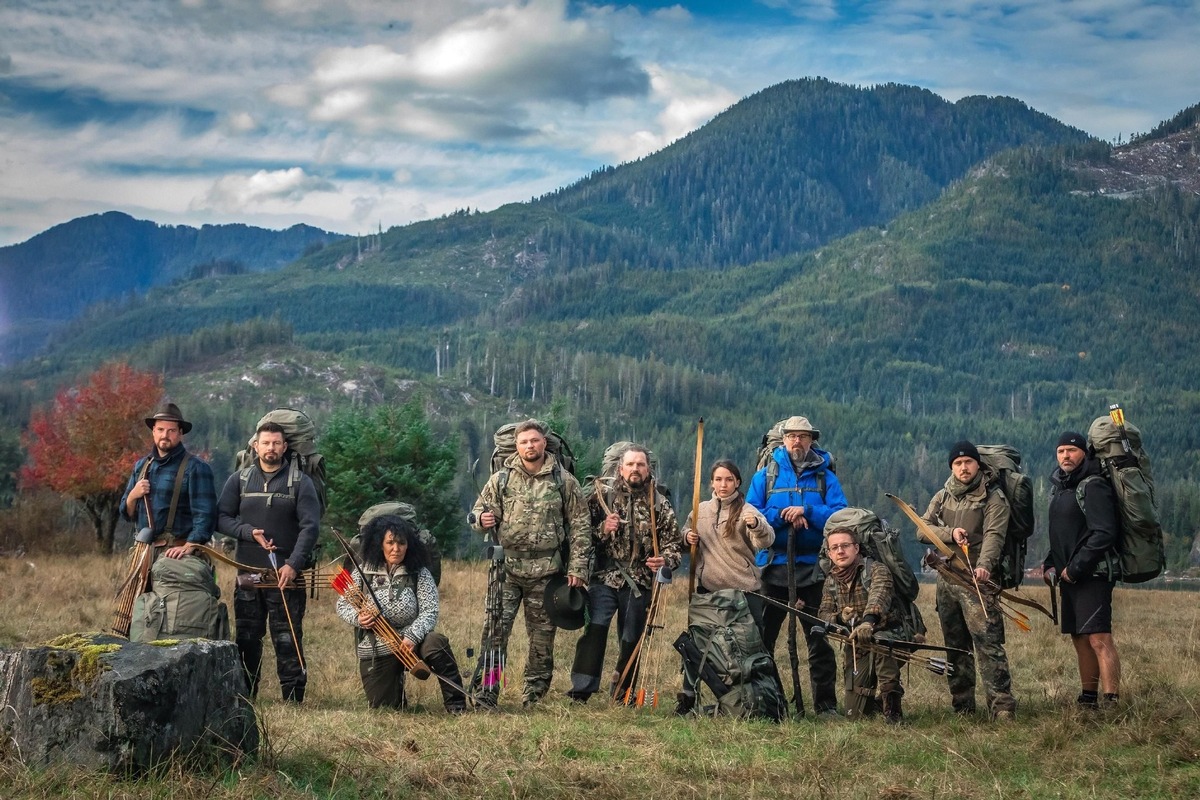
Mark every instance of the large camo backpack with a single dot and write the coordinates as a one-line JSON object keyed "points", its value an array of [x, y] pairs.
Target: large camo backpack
{"points": [[505, 445], [183, 602], [881, 542], [774, 438], [730, 648], [1001, 464], [408, 512], [1122, 457], [303, 457]]}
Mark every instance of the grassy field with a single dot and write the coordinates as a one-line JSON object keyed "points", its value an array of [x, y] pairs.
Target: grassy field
{"points": [[1148, 746]]}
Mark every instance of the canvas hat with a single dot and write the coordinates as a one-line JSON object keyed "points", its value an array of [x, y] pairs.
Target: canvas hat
{"points": [[800, 425], [170, 413], [567, 606]]}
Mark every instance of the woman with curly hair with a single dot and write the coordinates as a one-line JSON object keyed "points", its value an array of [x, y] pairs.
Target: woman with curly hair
{"points": [[396, 567]]}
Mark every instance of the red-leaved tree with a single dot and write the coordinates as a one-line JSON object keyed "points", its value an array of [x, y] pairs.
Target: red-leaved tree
{"points": [[85, 443]]}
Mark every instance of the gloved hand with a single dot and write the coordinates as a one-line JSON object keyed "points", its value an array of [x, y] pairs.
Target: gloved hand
{"points": [[1050, 576], [818, 630], [863, 632]]}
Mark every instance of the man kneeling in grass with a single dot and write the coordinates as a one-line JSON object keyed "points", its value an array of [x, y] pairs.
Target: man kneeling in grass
{"points": [[859, 595]]}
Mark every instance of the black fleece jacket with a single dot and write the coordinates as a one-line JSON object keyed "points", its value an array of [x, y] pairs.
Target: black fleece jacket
{"points": [[1079, 542]]}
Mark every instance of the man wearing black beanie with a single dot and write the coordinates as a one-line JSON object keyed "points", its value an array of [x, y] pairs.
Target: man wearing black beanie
{"points": [[971, 513], [1083, 538]]}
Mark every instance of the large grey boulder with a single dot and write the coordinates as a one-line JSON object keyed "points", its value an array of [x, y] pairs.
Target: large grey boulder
{"points": [[99, 701]]}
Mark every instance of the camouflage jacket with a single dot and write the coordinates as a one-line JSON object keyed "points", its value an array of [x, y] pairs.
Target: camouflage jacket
{"points": [[536, 518], [981, 511], [631, 544]]}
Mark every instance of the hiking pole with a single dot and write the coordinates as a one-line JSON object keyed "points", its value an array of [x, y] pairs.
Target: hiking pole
{"points": [[695, 548], [793, 655], [287, 612]]}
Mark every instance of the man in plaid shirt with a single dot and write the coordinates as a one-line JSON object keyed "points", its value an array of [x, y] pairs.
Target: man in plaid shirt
{"points": [[155, 475]]}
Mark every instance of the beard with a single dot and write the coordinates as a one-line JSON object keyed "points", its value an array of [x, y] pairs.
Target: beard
{"points": [[272, 459], [636, 481]]}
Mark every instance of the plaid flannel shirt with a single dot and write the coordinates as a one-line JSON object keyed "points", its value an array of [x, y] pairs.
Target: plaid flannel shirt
{"points": [[196, 515]]}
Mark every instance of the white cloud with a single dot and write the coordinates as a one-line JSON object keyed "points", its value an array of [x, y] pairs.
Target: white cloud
{"points": [[239, 192], [473, 78], [191, 111]]}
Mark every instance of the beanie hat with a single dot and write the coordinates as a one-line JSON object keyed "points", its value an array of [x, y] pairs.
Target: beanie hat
{"points": [[1073, 439], [963, 448]]}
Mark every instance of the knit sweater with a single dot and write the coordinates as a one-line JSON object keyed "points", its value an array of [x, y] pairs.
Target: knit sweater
{"points": [[728, 563]]}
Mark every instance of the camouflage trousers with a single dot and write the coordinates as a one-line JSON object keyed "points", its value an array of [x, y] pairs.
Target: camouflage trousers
{"points": [[862, 674], [257, 611], [493, 650], [967, 626]]}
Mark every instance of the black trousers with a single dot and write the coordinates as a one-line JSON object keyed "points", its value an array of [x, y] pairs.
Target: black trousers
{"points": [[257, 611], [822, 663]]}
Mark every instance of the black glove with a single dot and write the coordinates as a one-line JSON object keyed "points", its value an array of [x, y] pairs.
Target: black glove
{"points": [[818, 630]]}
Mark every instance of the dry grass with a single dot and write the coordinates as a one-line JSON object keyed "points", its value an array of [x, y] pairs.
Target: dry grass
{"points": [[333, 747]]}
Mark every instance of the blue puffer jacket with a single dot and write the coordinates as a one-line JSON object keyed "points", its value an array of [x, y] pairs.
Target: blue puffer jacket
{"points": [[793, 490]]}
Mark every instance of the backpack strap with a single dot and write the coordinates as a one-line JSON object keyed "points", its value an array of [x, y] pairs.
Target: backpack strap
{"points": [[773, 474], [174, 495]]}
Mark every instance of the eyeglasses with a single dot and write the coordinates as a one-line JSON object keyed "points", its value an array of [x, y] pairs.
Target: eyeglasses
{"points": [[837, 548], [797, 436]]}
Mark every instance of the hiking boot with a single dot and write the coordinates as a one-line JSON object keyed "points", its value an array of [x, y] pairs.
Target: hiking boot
{"points": [[1088, 700], [892, 714], [685, 704], [1005, 715]]}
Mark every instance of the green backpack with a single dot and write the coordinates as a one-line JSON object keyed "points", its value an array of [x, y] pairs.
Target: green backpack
{"points": [[301, 436], [183, 603], [1140, 553], [881, 542], [724, 632], [1002, 467]]}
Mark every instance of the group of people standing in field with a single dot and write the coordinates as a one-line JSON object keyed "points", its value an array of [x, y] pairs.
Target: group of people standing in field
{"points": [[594, 558]]}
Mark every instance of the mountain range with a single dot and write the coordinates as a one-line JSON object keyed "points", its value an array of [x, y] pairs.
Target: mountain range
{"points": [[905, 271]]}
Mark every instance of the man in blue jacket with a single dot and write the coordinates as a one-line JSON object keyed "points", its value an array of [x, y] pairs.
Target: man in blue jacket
{"points": [[797, 491]]}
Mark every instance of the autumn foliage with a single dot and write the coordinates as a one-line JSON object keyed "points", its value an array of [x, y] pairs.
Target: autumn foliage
{"points": [[85, 443]]}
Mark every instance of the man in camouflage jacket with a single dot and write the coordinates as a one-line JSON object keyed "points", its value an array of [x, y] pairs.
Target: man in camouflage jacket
{"points": [[969, 513], [632, 544], [539, 516]]}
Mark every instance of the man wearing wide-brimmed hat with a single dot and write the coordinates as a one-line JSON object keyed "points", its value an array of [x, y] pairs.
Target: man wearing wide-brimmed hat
{"points": [[797, 491], [179, 487]]}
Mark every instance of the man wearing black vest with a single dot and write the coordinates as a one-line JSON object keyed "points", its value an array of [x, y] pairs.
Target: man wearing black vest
{"points": [[275, 514]]}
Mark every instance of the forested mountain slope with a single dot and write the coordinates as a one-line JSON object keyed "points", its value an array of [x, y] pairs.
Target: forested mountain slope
{"points": [[1019, 302]]}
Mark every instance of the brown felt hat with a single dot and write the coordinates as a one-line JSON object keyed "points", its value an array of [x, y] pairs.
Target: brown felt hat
{"points": [[169, 413]]}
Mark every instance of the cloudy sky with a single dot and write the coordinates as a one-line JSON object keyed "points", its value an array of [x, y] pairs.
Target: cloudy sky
{"points": [[350, 114]]}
